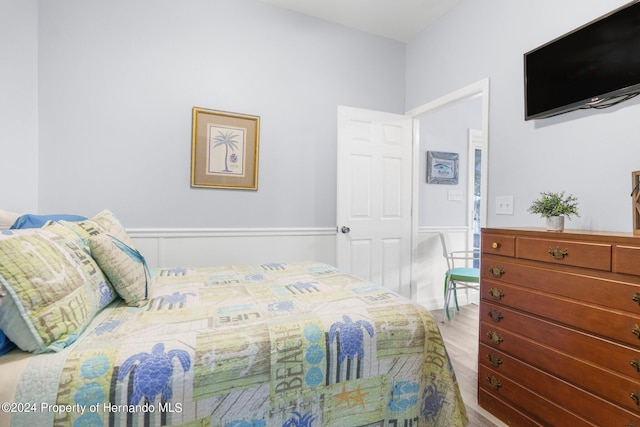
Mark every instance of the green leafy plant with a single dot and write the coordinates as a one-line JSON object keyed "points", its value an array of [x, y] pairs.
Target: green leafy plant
{"points": [[553, 204]]}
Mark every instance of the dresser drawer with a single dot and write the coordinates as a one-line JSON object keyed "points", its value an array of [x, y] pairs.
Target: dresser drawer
{"points": [[498, 244], [504, 410], [546, 412], [579, 254], [600, 382], [567, 282], [612, 324], [612, 356], [626, 259], [570, 397]]}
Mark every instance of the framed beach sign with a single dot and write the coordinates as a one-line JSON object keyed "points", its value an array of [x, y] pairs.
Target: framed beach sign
{"points": [[442, 168], [224, 149]]}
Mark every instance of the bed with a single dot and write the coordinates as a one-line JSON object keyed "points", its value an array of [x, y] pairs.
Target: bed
{"points": [[281, 344]]}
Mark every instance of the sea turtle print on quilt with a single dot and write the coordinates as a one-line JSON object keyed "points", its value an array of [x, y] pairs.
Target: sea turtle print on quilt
{"points": [[297, 344]]}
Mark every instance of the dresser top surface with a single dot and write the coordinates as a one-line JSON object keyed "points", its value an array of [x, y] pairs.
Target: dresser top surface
{"points": [[567, 234]]}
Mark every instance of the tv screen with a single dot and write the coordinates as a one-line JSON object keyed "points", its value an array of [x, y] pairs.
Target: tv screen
{"points": [[588, 67]]}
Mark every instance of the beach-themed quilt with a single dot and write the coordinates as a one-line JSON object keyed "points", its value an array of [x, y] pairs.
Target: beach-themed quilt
{"points": [[293, 344]]}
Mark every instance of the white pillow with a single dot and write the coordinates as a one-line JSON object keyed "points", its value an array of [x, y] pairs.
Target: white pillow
{"points": [[7, 218]]}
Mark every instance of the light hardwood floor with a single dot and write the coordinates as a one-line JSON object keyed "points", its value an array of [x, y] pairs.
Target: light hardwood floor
{"points": [[460, 336]]}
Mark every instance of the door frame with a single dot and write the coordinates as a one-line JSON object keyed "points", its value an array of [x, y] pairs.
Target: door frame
{"points": [[479, 88]]}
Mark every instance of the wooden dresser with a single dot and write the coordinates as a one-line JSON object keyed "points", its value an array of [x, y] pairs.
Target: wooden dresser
{"points": [[560, 328]]}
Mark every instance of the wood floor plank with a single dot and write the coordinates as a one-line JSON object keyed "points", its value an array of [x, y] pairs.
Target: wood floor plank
{"points": [[460, 336]]}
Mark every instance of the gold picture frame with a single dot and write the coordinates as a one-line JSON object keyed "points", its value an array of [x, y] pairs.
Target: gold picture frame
{"points": [[224, 149]]}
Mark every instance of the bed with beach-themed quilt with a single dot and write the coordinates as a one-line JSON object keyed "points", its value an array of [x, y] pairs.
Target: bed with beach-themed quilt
{"points": [[91, 337]]}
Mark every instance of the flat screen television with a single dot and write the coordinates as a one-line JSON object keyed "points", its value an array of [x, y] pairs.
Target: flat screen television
{"points": [[594, 66]]}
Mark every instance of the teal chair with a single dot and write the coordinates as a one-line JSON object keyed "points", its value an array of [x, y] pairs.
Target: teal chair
{"points": [[457, 276]]}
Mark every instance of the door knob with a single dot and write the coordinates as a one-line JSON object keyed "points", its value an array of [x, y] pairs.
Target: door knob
{"points": [[345, 229]]}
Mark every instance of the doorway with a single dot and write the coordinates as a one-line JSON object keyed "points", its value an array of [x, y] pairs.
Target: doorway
{"points": [[478, 92]]}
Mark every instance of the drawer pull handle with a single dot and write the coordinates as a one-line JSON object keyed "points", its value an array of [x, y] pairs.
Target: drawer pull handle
{"points": [[494, 382], [496, 271], [636, 364], [636, 298], [494, 360], [495, 315], [496, 293], [495, 337], [558, 253], [635, 397], [636, 330], [495, 245]]}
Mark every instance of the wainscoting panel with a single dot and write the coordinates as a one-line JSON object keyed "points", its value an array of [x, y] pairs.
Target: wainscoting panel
{"points": [[206, 247]]}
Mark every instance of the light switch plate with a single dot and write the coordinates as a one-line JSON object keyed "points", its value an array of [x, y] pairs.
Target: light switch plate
{"points": [[504, 205], [454, 195]]}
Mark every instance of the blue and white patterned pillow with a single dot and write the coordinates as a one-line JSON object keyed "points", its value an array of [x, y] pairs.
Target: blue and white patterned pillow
{"points": [[52, 287], [125, 267]]}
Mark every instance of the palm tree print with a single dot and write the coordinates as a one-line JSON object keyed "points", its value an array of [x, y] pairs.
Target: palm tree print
{"points": [[226, 139]]}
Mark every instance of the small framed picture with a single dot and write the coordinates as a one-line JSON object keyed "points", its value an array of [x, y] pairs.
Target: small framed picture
{"points": [[442, 168], [224, 149]]}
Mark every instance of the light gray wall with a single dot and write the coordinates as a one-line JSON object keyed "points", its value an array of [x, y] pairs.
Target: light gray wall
{"points": [[118, 79], [111, 86], [588, 153], [18, 105]]}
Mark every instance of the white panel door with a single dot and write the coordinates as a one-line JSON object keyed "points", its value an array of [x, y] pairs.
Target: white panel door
{"points": [[374, 197]]}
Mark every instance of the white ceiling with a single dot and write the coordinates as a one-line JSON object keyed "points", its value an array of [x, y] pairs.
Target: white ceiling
{"points": [[395, 19]]}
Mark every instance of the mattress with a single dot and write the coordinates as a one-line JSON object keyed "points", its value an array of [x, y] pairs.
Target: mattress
{"points": [[291, 344]]}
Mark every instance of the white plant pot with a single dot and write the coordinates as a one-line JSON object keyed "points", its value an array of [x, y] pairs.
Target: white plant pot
{"points": [[555, 223]]}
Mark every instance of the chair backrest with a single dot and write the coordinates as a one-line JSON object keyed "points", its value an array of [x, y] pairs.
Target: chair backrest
{"points": [[453, 256], [445, 252]]}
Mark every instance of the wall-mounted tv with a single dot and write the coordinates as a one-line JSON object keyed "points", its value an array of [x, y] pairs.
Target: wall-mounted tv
{"points": [[594, 66]]}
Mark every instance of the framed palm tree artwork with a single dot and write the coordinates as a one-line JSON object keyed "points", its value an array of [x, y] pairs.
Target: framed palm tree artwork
{"points": [[224, 149]]}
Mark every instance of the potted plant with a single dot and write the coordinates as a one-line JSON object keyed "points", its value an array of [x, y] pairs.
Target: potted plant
{"points": [[555, 207]]}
